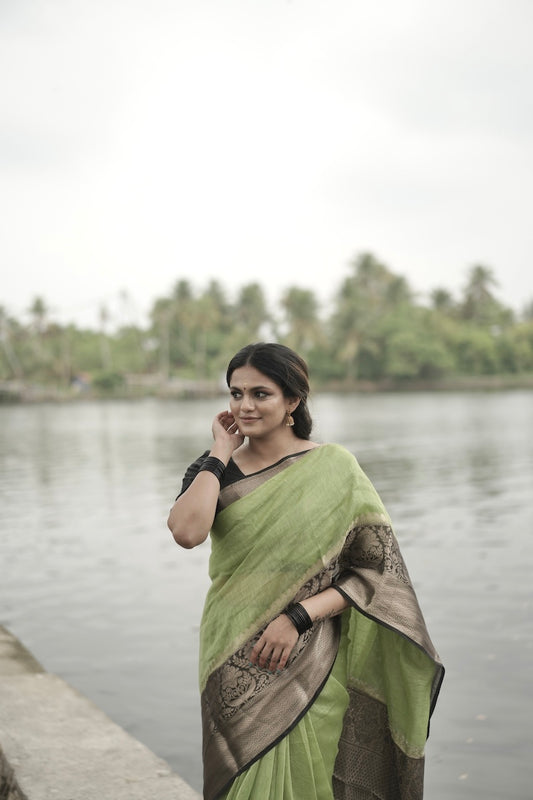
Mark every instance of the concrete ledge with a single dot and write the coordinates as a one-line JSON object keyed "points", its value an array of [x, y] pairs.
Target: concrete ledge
{"points": [[15, 659], [9, 789], [57, 745]]}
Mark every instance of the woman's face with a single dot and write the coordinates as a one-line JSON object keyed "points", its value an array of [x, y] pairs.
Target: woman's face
{"points": [[257, 402]]}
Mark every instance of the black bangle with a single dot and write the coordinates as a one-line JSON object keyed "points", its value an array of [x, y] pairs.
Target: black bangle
{"points": [[299, 617], [214, 465]]}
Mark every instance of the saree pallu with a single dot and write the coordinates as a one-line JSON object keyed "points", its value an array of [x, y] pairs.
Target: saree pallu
{"points": [[349, 714]]}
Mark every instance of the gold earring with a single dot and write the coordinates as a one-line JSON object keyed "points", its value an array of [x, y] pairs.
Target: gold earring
{"points": [[290, 420]]}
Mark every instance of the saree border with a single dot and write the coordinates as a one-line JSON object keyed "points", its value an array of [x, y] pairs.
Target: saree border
{"points": [[440, 671], [287, 730]]}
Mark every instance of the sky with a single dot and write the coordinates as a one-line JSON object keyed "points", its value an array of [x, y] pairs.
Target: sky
{"points": [[271, 141]]}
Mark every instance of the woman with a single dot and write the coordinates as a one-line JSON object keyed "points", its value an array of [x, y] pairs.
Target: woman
{"points": [[317, 673]]}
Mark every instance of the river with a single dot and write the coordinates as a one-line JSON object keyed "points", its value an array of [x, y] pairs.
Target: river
{"points": [[93, 584]]}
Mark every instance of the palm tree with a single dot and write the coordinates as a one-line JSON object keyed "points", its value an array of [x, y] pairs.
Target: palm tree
{"points": [[162, 314], [301, 312], [5, 341], [442, 300], [251, 311], [479, 304], [39, 313], [212, 321], [38, 328], [371, 292], [105, 350], [527, 312], [183, 319], [477, 292]]}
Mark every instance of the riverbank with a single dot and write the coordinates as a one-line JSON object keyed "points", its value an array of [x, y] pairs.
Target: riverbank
{"points": [[55, 743], [131, 388], [142, 386]]}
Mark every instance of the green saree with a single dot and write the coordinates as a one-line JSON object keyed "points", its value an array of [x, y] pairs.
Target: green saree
{"points": [[347, 719]]}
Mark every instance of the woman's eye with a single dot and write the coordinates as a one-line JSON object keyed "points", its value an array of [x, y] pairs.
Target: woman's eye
{"points": [[261, 395], [235, 395]]}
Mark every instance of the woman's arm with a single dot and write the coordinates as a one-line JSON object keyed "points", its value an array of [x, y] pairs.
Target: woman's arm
{"points": [[192, 515], [324, 605], [279, 637]]}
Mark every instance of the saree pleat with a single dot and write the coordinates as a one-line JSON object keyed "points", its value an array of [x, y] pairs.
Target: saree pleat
{"points": [[347, 718], [301, 765]]}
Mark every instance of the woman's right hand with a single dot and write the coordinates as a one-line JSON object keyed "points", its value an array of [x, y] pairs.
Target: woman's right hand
{"points": [[226, 434]]}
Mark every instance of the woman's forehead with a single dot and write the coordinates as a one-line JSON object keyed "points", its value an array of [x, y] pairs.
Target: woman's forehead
{"points": [[250, 376]]}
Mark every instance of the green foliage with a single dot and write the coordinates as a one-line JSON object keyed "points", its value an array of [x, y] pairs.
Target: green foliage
{"points": [[515, 349], [108, 382], [414, 349], [476, 352], [479, 304], [376, 330], [304, 330], [251, 311], [443, 301], [365, 299]]}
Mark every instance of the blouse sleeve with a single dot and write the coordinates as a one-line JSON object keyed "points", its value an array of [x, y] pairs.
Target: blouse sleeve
{"points": [[192, 471]]}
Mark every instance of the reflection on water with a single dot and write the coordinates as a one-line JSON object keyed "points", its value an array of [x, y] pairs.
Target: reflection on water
{"points": [[92, 583]]}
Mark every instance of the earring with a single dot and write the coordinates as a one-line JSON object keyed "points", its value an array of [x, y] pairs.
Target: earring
{"points": [[290, 420]]}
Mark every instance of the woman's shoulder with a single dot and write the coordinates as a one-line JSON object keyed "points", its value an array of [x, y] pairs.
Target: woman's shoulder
{"points": [[340, 459], [338, 452]]}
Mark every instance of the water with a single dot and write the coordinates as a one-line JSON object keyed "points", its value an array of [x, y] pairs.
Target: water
{"points": [[93, 584]]}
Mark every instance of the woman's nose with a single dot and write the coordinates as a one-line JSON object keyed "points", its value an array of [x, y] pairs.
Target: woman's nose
{"points": [[247, 401]]}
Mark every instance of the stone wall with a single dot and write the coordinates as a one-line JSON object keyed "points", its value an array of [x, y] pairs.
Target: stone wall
{"points": [[57, 745]]}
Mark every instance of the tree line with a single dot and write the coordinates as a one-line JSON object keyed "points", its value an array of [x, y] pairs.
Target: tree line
{"points": [[377, 329]]}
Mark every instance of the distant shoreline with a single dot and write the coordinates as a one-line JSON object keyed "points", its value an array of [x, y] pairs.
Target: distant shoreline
{"points": [[19, 392]]}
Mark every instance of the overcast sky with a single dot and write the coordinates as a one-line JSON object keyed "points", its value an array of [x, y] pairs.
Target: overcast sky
{"points": [[146, 141]]}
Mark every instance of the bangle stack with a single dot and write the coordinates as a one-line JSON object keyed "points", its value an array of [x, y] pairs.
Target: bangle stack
{"points": [[214, 465], [299, 617]]}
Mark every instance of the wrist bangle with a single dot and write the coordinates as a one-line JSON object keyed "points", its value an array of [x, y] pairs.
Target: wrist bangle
{"points": [[214, 465], [299, 617]]}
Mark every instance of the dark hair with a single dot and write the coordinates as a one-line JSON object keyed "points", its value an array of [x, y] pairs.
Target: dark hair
{"points": [[287, 369]]}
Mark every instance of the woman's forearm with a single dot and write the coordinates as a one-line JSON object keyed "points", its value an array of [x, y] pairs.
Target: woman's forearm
{"points": [[325, 604], [275, 645]]}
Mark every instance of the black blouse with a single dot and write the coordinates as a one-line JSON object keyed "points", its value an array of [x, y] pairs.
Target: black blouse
{"points": [[232, 473]]}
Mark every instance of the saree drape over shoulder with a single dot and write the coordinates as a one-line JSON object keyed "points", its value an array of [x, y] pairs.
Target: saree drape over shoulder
{"points": [[348, 718]]}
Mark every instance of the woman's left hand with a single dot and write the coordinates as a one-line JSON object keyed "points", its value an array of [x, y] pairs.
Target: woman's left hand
{"points": [[275, 645]]}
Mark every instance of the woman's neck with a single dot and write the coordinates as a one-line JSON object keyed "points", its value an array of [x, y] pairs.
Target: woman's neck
{"points": [[258, 452]]}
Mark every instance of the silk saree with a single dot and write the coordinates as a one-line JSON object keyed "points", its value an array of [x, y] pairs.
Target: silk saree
{"points": [[347, 719]]}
